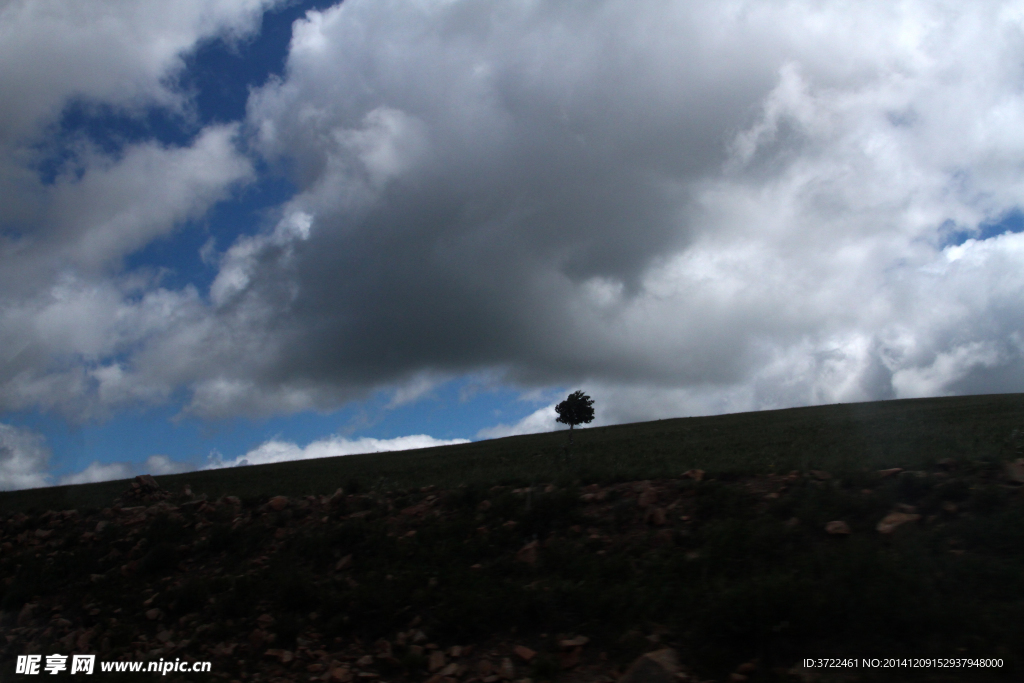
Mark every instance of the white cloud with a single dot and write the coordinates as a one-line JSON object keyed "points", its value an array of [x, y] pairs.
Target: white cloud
{"points": [[24, 457], [112, 471], [284, 451], [540, 420], [97, 472]]}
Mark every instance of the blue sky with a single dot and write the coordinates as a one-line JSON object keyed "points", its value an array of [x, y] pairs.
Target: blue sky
{"points": [[251, 230]]}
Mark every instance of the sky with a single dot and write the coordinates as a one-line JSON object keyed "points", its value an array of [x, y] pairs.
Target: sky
{"points": [[247, 231]]}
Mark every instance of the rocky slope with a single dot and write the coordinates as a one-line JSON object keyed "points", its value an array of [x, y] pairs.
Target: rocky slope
{"points": [[448, 586]]}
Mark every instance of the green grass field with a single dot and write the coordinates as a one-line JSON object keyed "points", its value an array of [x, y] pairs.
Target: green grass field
{"points": [[740, 569]]}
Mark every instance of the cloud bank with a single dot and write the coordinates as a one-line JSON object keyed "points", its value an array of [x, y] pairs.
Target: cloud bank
{"points": [[689, 207], [284, 451]]}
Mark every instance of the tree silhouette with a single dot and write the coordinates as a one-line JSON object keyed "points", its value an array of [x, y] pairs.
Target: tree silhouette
{"points": [[577, 409]]}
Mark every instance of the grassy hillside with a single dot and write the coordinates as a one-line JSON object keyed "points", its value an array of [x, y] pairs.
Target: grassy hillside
{"points": [[744, 542], [906, 433]]}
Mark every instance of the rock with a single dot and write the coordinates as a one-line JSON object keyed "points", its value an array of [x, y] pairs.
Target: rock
{"points": [[25, 615], [654, 667], [436, 661], [747, 668], [43, 533], [265, 621], [889, 472], [528, 553], [647, 498], [838, 528], [820, 475], [484, 506], [382, 649], [339, 675], [507, 670], [578, 641], [278, 503], [343, 563], [1015, 470], [655, 516], [696, 475], [224, 649], [154, 614], [257, 638], [568, 660], [484, 668], [147, 483], [164, 635], [524, 653], [738, 678], [895, 519]]}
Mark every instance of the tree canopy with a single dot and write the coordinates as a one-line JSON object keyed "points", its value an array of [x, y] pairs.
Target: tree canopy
{"points": [[576, 409]]}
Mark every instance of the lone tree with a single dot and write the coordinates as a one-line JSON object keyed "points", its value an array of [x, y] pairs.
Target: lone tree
{"points": [[577, 409]]}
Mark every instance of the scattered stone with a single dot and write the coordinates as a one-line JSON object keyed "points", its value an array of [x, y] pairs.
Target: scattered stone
{"points": [[524, 653], [568, 660], [484, 506], [578, 641], [696, 475], [343, 563], [257, 638], [25, 614], [820, 475], [436, 661], [838, 528], [528, 553], [889, 472], [365, 660], [660, 666], [949, 507], [655, 516], [893, 520], [147, 483], [507, 670], [647, 498], [278, 503], [154, 614], [1015, 470], [265, 621]]}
